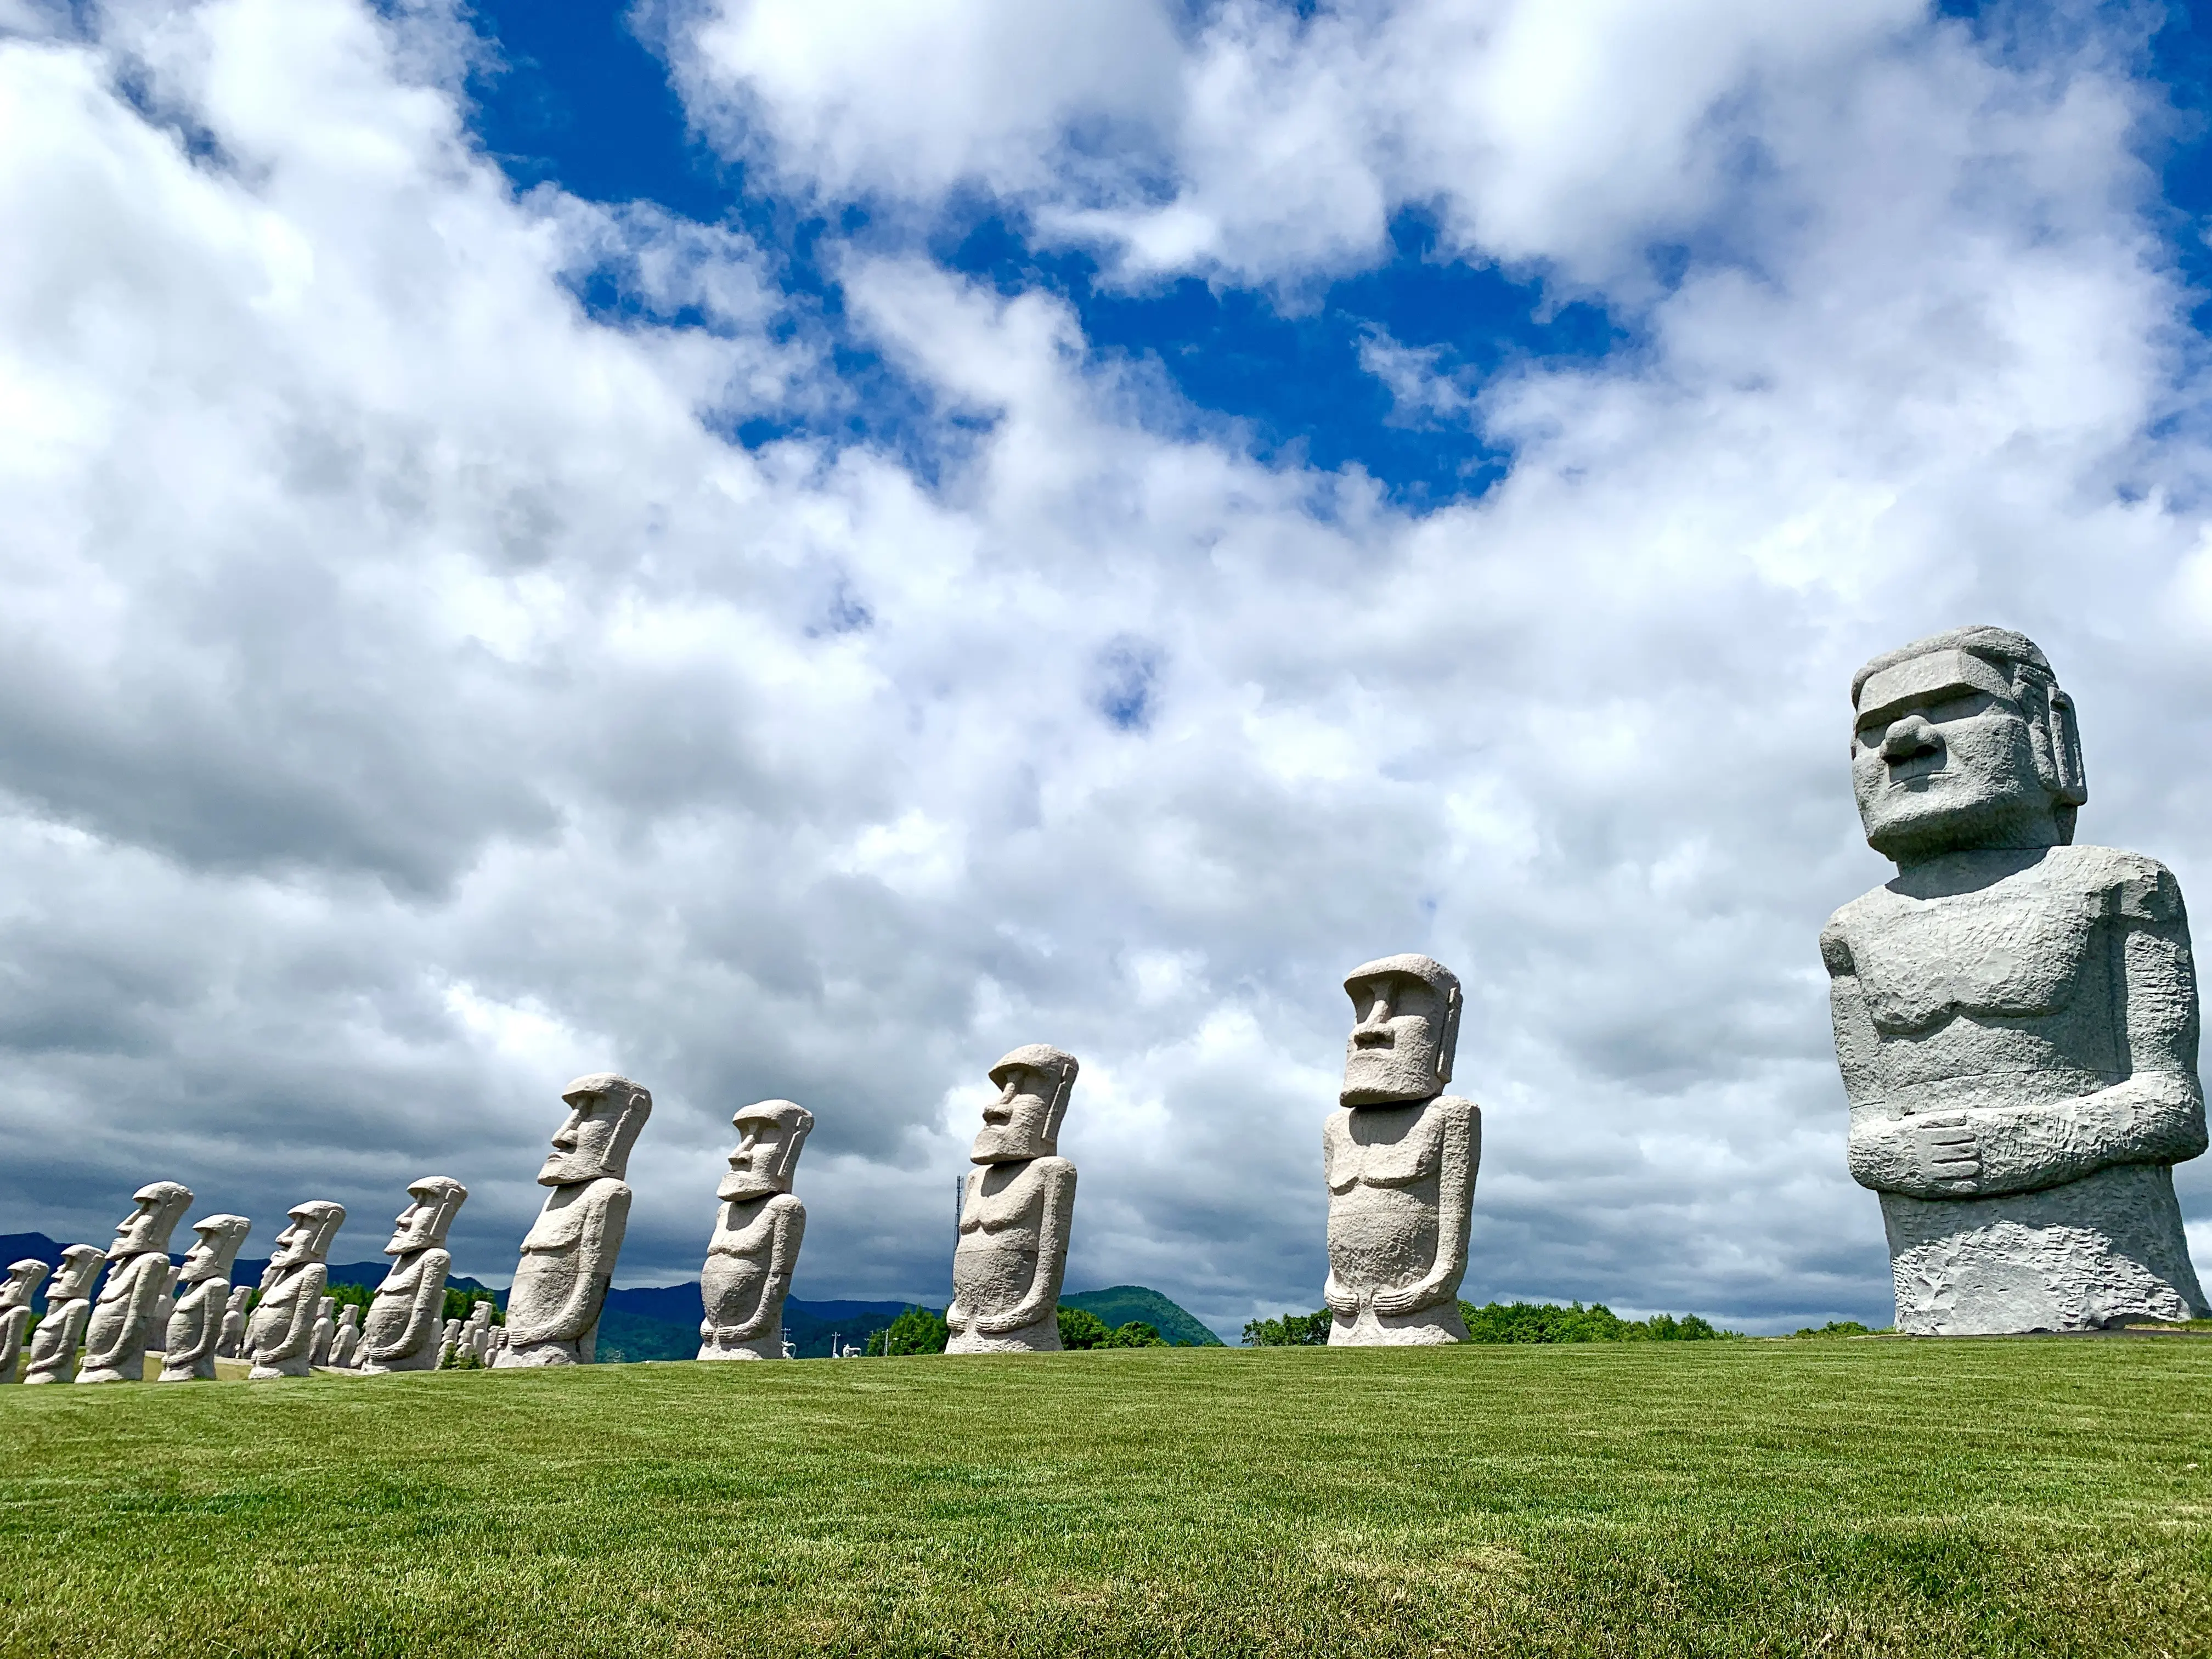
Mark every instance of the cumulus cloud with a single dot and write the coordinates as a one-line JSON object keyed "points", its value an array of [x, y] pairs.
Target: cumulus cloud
{"points": [[415, 698]]}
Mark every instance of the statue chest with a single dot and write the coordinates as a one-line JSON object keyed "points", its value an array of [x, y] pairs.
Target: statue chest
{"points": [[1016, 1208], [2013, 952], [127, 1282], [1382, 1147], [560, 1226]]}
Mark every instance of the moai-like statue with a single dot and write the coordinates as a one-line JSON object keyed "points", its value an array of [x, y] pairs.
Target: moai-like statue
{"points": [[233, 1340], [758, 1233], [24, 1278], [449, 1343], [568, 1256], [1015, 1212], [1400, 1156], [345, 1341], [2015, 1016], [326, 1327], [196, 1322], [69, 1310], [401, 1333], [137, 1273], [475, 1332], [157, 1334], [495, 1345], [283, 1331]]}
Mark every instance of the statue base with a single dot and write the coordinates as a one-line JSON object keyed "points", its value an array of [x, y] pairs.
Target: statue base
{"points": [[769, 1346], [1431, 1326], [1041, 1337]]}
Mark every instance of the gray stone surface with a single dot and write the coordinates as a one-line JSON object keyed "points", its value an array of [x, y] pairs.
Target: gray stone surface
{"points": [[157, 1334], [401, 1333], [2015, 1016], [195, 1321], [232, 1341], [476, 1333], [137, 1273], [757, 1231], [24, 1278], [1400, 1156], [52, 1357], [449, 1343], [326, 1331], [568, 1256], [1017, 1212], [345, 1341], [282, 1334]]}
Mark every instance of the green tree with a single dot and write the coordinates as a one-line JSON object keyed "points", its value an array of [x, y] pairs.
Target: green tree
{"points": [[1136, 1334], [1080, 1328], [458, 1303], [917, 1330], [1547, 1321], [1838, 1327], [1291, 1331]]}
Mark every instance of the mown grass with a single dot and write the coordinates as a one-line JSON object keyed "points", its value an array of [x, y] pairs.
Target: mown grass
{"points": [[1982, 1497]]}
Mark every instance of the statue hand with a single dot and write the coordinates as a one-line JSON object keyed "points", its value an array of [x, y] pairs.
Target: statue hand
{"points": [[1338, 1299], [1404, 1298], [1945, 1154], [956, 1318]]}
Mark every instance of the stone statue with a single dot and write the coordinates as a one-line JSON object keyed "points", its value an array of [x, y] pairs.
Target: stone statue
{"points": [[476, 1329], [568, 1256], [196, 1322], [157, 1333], [1400, 1156], [283, 1331], [233, 1323], [54, 1344], [2015, 1016], [326, 1327], [346, 1340], [24, 1278], [449, 1343], [1015, 1212], [137, 1273], [756, 1237], [495, 1345], [401, 1332]]}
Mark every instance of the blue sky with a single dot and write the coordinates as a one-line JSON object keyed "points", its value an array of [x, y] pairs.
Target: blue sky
{"points": [[790, 549]]}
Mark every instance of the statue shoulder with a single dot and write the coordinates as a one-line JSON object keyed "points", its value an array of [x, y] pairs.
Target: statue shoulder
{"points": [[2136, 886], [1458, 1108], [787, 1204], [1057, 1170]]}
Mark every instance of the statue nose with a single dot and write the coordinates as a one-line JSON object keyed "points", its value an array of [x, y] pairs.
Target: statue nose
{"points": [[1907, 737]]}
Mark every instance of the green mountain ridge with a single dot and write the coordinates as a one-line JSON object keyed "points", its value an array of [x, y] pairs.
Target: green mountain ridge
{"points": [[1120, 1304]]}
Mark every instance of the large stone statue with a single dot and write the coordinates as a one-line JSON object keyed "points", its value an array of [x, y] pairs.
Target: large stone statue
{"points": [[137, 1273], [233, 1323], [1015, 1212], [568, 1256], [401, 1332], [757, 1231], [1400, 1156], [195, 1323], [283, 1332], [24, 1278], [2015, 1016], [69, 1310]]}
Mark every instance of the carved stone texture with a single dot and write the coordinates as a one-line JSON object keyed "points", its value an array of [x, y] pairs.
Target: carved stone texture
{"points": [[157, 1331], [345, 1341], [757, 1231], [449, 1343], [233, 1323], [325, 1330], [196, 1322], [1015, 1212], [402, 1330], [69, 1310], [568, 1256], [476, 1333], [2015, 1016], [137, 1273], [1400, 1156], [24, 1278], [283, 1331]]}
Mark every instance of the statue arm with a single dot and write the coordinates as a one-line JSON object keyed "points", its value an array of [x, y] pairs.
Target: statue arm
{"points": [[196, 1325], [144, 1277], [1057, 1210], [1461, 1148], [790, 1228], [300, 1335]]}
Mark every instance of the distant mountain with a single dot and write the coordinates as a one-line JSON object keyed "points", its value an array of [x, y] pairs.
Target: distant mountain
{"points": [[1123, 1303]]}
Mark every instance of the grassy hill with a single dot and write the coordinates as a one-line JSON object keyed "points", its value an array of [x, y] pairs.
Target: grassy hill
{"points": [[1829, 1498], [1123, 1303]]}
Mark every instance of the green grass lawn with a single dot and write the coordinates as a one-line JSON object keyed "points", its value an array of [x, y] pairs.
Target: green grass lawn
{"points": [[2041, 1496]]}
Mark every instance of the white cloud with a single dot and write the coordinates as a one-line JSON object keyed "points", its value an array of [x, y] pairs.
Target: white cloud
{"points": [[378, 624]]}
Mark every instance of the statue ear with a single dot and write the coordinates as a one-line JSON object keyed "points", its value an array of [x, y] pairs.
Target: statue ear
{"points": [[1448, 1038], [2071, 784]]}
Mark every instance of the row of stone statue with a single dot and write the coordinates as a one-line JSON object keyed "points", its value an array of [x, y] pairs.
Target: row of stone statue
{"points": [[2015, 1019]]}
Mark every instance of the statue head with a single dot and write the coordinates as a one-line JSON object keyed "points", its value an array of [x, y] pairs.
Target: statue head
{"points": [[1963, 741], [146, 1230], [315, 1225], [238, 1294], [80, 1264], [1024, 1122], [23, 1280], [215, 1247], [432, 1202], [769, 1134], [1406, 1030], [348, 1316], [606, 1113]]}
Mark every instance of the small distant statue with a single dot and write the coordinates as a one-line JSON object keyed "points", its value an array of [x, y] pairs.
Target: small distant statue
{"points": [[2015, 1016], [568, 1256], [1400, 1156], [284, 1327], [495, 1343], [232, 1341], [758, 1233], [475, 1332], [326, 1328], [1015, 1212], [24, 1278], [123, 1318], [69, 1310], [449, 1344], [195, 1321], [345, 1341], [157, 1334], [402, 1330]]}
